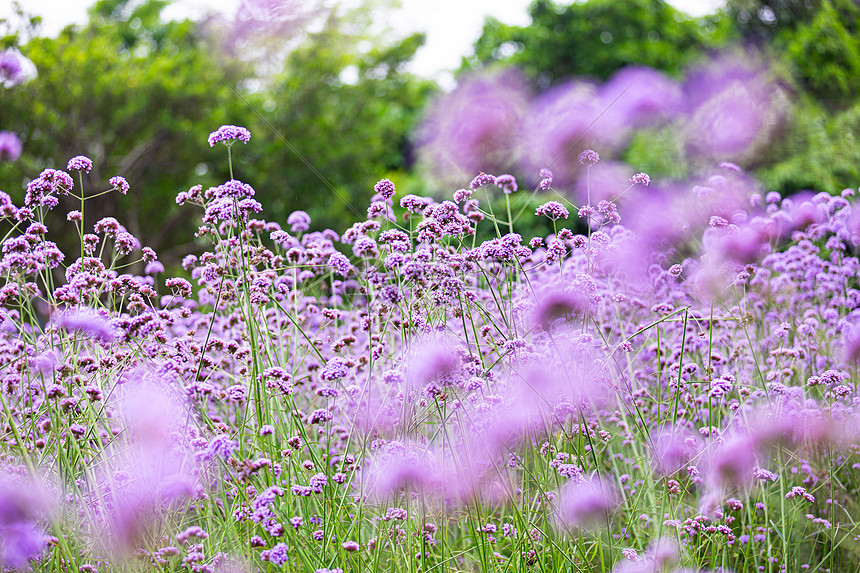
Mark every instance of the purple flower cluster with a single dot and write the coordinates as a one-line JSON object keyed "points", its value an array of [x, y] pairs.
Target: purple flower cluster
{"points": [[228, 135]]}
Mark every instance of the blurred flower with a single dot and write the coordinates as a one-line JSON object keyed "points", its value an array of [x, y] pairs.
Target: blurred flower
{"points": [[734, 109], [672, 448], [10, 146], [558, 304], [11, 68], [475, 127], [22, 504], [581, 504], [86, 321]]}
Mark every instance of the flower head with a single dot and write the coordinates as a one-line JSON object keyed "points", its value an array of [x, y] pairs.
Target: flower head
{"points": [[229, 134], [119, 184], [589, 157], [385, 188], [641, 178], [80, 163], [10, 146]]}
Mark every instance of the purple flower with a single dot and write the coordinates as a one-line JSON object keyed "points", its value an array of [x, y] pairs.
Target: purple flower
{"points": [[476, 126], [350, 546], [734, 460], [299, 221], [229, 134], [11, 70], [119, 184], [589, 157], [385, 188], [482, 180], [581, 503], [558, 304], [553, 210], [21, 505], [222, 446], [80, 163], [88, 322], [277, 555], [340, 264], [641, 178], [335, 369], [506, 183], [10, 146]]}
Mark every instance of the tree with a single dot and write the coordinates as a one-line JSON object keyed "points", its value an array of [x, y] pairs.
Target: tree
{"points": [[344, 106], [597, 38]]}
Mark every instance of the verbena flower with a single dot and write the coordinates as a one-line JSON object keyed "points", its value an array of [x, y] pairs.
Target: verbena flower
{"points": [[228, 135], [80, 163]]}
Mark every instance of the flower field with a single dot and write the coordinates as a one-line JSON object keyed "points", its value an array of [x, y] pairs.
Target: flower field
{"points": [[665, 382]]}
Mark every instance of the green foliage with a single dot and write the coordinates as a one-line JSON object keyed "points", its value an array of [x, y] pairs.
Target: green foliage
{"points": [[763, 20], [339, 117], [596, 38], [821, 151], [826, 52]]}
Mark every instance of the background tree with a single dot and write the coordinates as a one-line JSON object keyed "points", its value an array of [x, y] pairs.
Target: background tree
{"points": [[597, 38], [337, 119]]}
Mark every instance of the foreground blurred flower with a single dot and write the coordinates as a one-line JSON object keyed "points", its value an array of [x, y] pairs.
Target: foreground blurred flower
{"points": [[149, 474], [581, 504], [10, 146], [22, 503], [88, 322]]}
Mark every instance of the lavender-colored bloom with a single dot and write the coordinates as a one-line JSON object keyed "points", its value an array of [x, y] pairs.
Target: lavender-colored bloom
{"points": [[11, 70], [476, 126], [552, 210], [88, 322], [277, 555], [340, 264], [734, 460], [119, 184], [482, 180], [385, 188], [672, 449], [335, 369], [350, 546], [580, 504], [21, 506], [10, 146], [733, 109], [642, 179], [299, 221], [222, 446], [589, 157], [80, 163], [506, 183], [229, 134], [558, 304]]}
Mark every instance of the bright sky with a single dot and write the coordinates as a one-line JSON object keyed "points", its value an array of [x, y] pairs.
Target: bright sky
{"points": [[451, 25]]}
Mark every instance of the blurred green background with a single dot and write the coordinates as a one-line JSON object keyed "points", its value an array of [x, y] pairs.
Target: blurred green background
{"points": [[332, 108]]}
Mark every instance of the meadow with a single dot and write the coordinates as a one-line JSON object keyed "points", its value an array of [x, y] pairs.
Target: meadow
{"points": [[666, 382]]}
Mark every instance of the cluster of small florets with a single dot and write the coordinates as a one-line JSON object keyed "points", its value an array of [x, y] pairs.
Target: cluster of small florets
{"points": [[228, 135]]}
